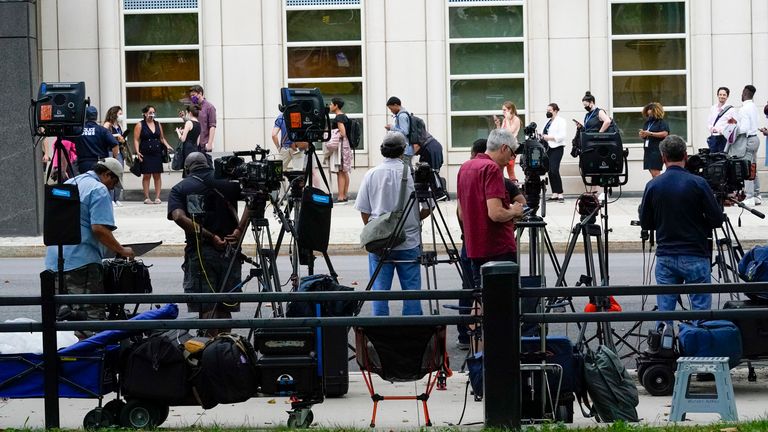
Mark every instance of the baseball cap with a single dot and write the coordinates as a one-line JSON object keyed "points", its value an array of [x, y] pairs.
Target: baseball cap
{"points": [[91, 113], [115, 166]]}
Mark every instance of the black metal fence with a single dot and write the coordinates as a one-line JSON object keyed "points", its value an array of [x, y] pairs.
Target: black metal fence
{"points": [[501, 320]]}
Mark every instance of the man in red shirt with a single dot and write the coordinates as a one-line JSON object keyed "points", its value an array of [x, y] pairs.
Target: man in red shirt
{"points": [[484, 204]]}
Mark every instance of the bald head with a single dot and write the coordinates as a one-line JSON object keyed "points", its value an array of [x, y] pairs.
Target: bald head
{"points": [[195, 161]]}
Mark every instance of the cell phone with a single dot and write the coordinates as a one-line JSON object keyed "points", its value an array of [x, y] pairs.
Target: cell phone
{"points": [[575, 121], [527, 210], [125, 134]]}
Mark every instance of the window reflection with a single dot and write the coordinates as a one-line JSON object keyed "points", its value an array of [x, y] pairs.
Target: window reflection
{"points": [[177, 65], [486, 58], [316, 62], [485, 21], [648, 54], [161, 29], [351, 92], [323, 25], [648, 18], [636, 91], [167, 100], [486, 94]]}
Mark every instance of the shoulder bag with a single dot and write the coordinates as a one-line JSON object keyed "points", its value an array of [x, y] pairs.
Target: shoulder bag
{"points": [[383, 232]]}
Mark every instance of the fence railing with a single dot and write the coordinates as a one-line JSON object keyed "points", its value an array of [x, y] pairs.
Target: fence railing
{"points": [[501, 320]]}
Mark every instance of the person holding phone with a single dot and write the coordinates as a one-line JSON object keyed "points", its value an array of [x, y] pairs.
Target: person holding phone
{"points": [[113, 122], [654, 130], [510, 122], [190, 133], [555, 133]]}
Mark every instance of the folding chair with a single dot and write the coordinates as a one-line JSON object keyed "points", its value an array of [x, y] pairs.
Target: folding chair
{"points": [[401, 354]]}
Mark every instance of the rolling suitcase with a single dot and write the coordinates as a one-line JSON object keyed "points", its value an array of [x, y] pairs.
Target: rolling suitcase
{"points": [[754, 332]]}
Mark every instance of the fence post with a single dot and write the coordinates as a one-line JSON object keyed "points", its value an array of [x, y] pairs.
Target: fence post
{"points": [[50, 356], [501, 338]]}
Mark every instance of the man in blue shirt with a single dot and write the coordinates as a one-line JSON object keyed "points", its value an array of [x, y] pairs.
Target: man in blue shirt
{"points": [[95, 143], [401, 122], [287, 149], [83, 273], [682, 209]]}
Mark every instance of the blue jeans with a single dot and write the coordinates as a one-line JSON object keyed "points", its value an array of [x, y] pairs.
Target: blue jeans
{"points": [[678, 269], [409, 274]]}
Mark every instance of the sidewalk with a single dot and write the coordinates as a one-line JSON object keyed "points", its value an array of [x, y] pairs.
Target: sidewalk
{"points": [[354, 409], [140, 223]]}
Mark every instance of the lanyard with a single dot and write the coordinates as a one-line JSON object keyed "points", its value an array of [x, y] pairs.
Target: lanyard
{"points": [[649, 125], [546, 128], [590, 115]]}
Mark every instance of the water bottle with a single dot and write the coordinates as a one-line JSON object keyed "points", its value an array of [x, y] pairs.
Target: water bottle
{"points": [[667, 336]]}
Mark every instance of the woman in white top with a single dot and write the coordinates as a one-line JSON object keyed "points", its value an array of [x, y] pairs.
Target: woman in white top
{"points": [[554, 133], [511, 122]]}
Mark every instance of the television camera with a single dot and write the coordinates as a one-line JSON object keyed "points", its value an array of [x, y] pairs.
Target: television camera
{"points": [[603, 159], [256, 176], [306, 116], [59, 110], [535, 163], [723, 173]]}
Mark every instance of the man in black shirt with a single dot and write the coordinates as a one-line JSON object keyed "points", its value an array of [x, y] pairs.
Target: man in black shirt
{"points": [[96, 143], [682, 209], [206, 209]]}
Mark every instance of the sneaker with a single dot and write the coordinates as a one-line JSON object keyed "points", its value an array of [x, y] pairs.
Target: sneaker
{"points": [[758, 200], [462, 346], [117, 204], [601, 197], [749, 202]]}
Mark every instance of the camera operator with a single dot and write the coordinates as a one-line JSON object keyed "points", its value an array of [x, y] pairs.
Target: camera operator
{"points": [[83, 272], [681, 208], [206, 209], [484, 206], [430, 152]]}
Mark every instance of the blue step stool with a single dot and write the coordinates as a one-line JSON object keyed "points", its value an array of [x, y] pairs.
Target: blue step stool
{"points": [[723, 402]]}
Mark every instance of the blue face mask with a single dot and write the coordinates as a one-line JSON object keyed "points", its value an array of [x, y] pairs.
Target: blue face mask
{"points": [[195, 99]]}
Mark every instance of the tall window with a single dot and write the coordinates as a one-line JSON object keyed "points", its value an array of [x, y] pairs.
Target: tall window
{"points": [[486, 54], [649, 63], [161, 40], [325, 49]]}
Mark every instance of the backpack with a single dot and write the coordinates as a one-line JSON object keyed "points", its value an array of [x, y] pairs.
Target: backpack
{"points": [[156, 368], [330, 308], [753, 267], [613, 392], [417, 130], [227, 371], [354, 133]]}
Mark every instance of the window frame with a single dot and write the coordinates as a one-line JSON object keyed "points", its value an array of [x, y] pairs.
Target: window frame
{"points": [[451, 77], [361, 117], [125, 84], [662, 72]]}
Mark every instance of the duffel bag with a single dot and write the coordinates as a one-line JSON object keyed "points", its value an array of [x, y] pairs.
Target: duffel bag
{"points": [[718, 338], [227, 372], [156, 369]]}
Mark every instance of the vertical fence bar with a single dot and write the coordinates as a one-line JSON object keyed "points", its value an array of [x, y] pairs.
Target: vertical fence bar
{"points": [[501, 338], [50, 356]]}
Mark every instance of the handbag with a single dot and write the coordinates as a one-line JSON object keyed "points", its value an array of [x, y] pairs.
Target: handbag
{"points": [[383, 232], [314, 224], [333, 144], [177, 163], [136, 166], [166, 156]]}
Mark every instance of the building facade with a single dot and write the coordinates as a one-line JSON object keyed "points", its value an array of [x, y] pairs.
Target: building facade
{"points": [[452, 62]]}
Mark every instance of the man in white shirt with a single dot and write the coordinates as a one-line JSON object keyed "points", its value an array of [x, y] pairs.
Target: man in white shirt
{"points": [[747, 142], [379, 194], [717, 123]]}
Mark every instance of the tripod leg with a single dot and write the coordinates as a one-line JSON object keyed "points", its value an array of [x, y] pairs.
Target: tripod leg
{"points": [[568, 254]]}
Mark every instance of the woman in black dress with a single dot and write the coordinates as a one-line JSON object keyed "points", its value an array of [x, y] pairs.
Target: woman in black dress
{"points": [[654, 130], [148, 142], [190, 134]]}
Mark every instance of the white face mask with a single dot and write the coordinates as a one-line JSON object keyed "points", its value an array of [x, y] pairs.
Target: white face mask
{"points": [[121, 117]]}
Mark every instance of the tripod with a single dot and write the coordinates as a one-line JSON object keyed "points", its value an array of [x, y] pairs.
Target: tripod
{"points": [[588, 229], [422, 194], [290, 215]]}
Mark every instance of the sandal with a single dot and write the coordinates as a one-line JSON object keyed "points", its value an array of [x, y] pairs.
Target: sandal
{"points": [[157, 201], [147, 201]]}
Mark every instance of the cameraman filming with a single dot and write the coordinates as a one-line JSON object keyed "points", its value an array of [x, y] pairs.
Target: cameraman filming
{"points": [[681, 208], [206, 209]]}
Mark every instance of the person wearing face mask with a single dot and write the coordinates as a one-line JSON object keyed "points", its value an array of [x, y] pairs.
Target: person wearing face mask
{"points": [[190, 133], [654, 130], [112, 122], [95, 143], [554, 133], [148, 142], [207, 118], [747, 143], [596, 119]]}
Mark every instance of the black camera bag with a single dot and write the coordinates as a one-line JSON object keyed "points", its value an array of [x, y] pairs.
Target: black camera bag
{"points": [[157, 370], [314, 224], [227, 371]]}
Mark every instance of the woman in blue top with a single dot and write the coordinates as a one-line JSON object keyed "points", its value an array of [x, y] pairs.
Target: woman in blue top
{"points": [[654, 130], [596, 119]]}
